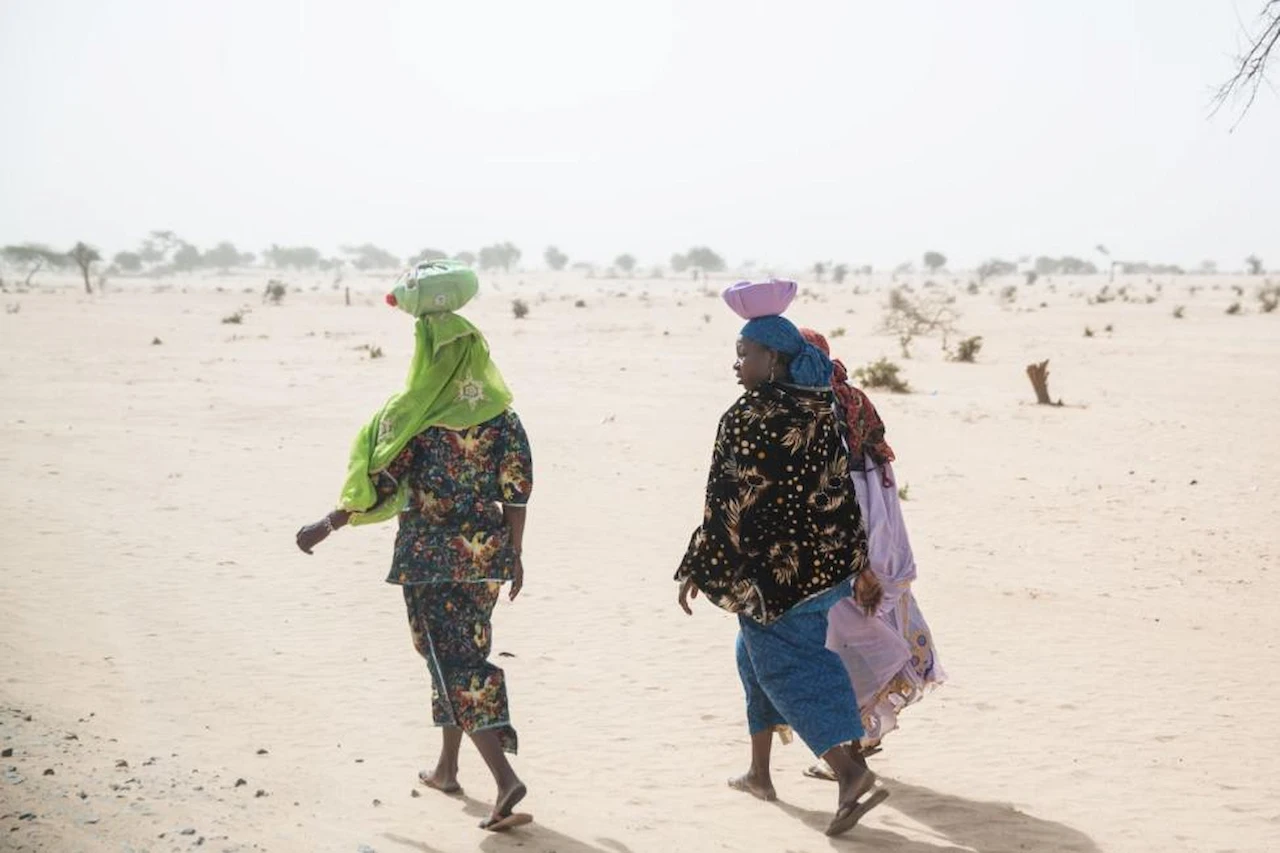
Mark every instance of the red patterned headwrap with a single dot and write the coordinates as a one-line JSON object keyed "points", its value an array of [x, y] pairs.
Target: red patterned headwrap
{"points": [[866, 429]]}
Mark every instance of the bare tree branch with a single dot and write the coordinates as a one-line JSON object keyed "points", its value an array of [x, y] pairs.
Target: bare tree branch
{"points": [[1251, 66]]}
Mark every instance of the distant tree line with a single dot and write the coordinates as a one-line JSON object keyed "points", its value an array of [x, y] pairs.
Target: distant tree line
{"points": [[164, 252]]}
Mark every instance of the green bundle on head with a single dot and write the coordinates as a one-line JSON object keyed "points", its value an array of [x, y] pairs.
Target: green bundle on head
{"points": [[452, 383], [434, 287]]}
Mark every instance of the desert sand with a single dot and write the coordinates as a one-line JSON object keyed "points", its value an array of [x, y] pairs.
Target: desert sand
{"points": [[1101, 578]]}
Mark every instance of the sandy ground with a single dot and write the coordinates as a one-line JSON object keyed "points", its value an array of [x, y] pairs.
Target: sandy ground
{"points": [[1101, 578]]}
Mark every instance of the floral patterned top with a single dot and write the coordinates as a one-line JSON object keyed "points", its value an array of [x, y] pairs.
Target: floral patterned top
{"points": [[452, 529], [781, 522]]}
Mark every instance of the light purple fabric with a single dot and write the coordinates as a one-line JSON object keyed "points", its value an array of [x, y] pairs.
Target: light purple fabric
{"points": [[872, 651], [890, 656], [888, 547], [752, 299]]}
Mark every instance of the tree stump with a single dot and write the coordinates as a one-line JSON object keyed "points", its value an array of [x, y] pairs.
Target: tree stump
{"points": [[1039, 375]]}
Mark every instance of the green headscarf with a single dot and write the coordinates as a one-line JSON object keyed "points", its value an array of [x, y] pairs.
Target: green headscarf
{"points": [[452, 383]]}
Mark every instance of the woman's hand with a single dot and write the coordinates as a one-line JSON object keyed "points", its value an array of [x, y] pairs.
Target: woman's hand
{"points": [[312, 535], [517, 579], [688, 591], [868, 592]]}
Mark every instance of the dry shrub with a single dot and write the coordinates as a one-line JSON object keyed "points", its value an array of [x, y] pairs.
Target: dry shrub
{"points": [[1234, 308], [967, 350], [519, 308], [837, 333], [909, 317], [882, 374], [1269, 297], [275, 291], [1179, 311], [234, 319]]}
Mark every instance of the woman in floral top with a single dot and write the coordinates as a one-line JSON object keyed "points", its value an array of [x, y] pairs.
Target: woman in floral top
{"points": [[451, 458], [459, 541]]}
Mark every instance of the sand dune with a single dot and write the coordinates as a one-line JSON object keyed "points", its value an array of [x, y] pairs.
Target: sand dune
{"points": [[1100, 578]]}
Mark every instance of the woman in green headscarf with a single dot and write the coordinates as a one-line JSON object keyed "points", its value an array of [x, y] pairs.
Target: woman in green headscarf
{"points": [[451, 459]]}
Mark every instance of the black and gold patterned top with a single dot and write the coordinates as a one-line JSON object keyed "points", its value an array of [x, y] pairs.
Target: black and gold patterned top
{"points": [[781, 523]]}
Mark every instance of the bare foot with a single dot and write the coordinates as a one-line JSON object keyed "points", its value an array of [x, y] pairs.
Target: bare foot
{"points": [[848, 810], [847, 818], [853, 787], [756, 787], [507, 800], [440, 780]]}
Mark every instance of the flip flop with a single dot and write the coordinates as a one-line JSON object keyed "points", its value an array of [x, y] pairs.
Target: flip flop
{"points": [[820, 771], [848, 817], [425, 778], [506, 822]]}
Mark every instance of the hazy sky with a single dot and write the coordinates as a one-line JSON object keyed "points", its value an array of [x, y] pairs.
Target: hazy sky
{"points": [[779, 132]]}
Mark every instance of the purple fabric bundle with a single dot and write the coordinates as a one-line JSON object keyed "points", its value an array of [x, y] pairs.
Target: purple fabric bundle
{"points": [[752, 299]]}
